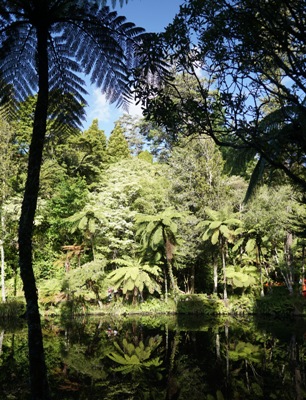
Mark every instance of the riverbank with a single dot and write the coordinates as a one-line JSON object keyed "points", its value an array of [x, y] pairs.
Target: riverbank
{"points": [[276, 304]]}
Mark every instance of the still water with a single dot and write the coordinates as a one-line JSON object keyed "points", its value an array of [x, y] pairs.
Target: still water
{"points": [[162, 358]]}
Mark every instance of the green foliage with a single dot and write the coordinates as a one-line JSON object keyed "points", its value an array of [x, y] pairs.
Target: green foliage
{"points": [[196, 177], [68, 197], [133, 205], [84, 154], [242, 304], [130, 129], [146, 156], [117, 146], [133, 359], [246, 351], [133, 277], [156, 230], [260, 118], [86, 280], [279, 302], [218, 225], [200, 304], [11, 310], [50, 291], [244, 277]]}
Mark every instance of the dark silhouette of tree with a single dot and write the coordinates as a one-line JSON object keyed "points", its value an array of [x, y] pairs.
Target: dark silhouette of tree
{"points": [[254, 79], [44, 47]]}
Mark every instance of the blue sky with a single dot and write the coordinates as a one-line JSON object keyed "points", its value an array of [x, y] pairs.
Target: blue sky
{"points": [[153, 16]]}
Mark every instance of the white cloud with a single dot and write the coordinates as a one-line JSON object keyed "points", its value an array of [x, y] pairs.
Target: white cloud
{"points": [[106, 113], [99, 107], [135, 110]]}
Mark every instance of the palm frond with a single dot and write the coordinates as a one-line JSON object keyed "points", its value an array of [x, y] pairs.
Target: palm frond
{"points": [[84, 37], [255, 179]]}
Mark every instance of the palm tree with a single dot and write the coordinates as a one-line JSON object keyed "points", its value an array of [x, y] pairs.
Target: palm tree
{"points": [[88, 221], [159, 234], [133, 276], [218, 232], [252, 242], [44, 46]]}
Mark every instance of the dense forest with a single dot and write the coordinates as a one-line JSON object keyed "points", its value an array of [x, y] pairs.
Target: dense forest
{"points": [[204, 195], [128, 214]]}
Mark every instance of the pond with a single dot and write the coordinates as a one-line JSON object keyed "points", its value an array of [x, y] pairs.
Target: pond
{"points": [[162, 357]]}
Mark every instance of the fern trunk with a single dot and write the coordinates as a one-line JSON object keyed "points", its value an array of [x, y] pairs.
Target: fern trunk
{"points": [[215, 261], [3, 293], [222, 248], [166, 284], [38, 373]]}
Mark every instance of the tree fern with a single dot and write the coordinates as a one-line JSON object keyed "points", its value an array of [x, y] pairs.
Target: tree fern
{"points": [[45, 45]]}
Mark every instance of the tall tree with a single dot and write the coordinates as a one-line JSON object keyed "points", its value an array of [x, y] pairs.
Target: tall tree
{"points": [[219, 231], [44, 46], [84, 154], [128, 187], [131, 129], [159, 233], [117, 146]]}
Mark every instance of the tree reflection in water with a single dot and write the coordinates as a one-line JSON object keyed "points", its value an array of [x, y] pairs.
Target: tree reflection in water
{"points": [[151, 358]]}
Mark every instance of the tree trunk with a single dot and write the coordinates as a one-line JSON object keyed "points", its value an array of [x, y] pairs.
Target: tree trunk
{"points": [[192, 279], [289, 261], [166, 285], [38, 372], [169, 257], [222, 247], [215, 261], [171, 276], [3, 294]]}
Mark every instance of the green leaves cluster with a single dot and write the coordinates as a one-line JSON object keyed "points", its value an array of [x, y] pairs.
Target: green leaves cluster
{"points": [[134, 359], [133, 277]]}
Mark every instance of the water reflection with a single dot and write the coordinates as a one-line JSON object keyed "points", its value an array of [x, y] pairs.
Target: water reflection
{"points": [[168, 358]]}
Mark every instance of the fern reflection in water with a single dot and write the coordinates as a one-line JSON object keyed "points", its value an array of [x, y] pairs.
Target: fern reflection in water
{"points": [[180, 357], [136, 358]]}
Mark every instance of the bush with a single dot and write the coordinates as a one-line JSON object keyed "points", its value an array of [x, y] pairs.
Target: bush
{"points": [[277, 303], [11, 309], [201, 304], [242, 305]]}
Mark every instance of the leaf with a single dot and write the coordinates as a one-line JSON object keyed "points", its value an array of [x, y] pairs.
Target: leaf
{"points": [[134, 273], [215, 237], [237, 282], [226, 232], [219, 395], [129, 285], [215, 224], [238, 244], [157, 239], [92, 226], [118, 274], [206, 235], [83, 223], [250, 245], [212, 214], [232, 221]]}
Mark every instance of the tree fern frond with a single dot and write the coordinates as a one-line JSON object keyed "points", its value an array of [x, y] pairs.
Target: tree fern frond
{"points": [[215, 237], [212, 214], [256, 176]]}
